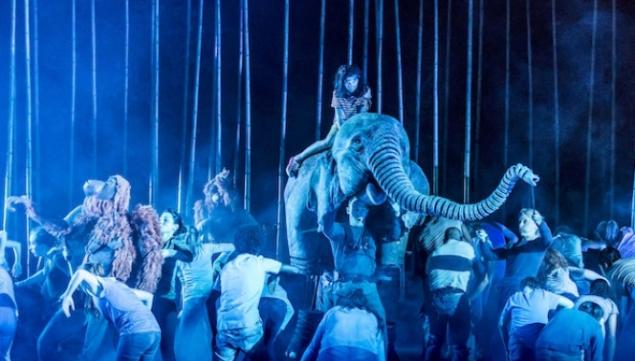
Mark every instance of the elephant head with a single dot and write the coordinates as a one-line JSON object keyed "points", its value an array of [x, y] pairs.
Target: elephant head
{"points": [[374, 148]]}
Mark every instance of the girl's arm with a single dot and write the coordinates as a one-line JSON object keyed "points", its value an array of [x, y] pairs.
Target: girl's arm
{"points": [[611, 330], [37, 278], [89, 281], [287, 268], [16, 247], [588, 274]]}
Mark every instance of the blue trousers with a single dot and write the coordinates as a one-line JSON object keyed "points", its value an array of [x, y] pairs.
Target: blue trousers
{"points": [[138, 346]]}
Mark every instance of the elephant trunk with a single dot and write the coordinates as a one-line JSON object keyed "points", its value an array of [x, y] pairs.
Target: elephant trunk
{"points": [[386, 166]]}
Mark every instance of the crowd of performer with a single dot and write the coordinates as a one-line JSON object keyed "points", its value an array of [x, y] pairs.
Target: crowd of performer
{"points": [[121, 284]]}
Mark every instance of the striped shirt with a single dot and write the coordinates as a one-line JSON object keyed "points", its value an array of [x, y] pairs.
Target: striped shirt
{"points": [[351, 105], [451, 265]]}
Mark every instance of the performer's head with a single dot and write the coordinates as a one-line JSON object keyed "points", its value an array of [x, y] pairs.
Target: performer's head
{"points": [[171, 224], [357, 211], [348, 81], [219, 190], [453, 233], [529, 284], [527, 223], [113, 195], [40, 242], [249, 239], [608, 231]]}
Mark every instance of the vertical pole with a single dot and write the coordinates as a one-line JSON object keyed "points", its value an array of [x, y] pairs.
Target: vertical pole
{"points": [[184, 119], [283, 130], [28, 176], [247, 110], [155, 108], [195, 96], [93, 134], [587, 173], [633, 202], [366, 31], [419, 62], [379, 29], [446, 90], [8, 173], [435, 150], [351, 28], [479, 91], [506, 115], [36, 101], [399, 72], [71, 151], [556, 105], [125, 87], [318, 120], [613, 114], [530, 85], [239, 98], [468, 104], [219, 123]]}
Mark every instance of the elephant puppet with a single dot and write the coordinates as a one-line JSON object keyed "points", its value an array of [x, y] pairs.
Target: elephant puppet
{"points": [[371, 153], [370, 159]]}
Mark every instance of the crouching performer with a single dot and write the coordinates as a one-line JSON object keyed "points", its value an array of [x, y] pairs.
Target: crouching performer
{"points": [[127, 309]]}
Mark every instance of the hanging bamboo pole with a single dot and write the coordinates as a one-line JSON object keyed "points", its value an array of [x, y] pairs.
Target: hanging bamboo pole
{"points": [[587, 173], [468, 104], [155, 108], [556, 105], [633, 202], [366, 32], [239, 98], [8, 173], [247, 110], [479, 91], [125, 86], [93, 135], [530, 85], [283, 131], [419, 62], [195, 96], [28, 176], [446, 91], [36, 102], [379, 29], [71, 151], [399, 70], [613, 115], [184, 119], [506, 115], [211, 159], [351, 28], [219, 123], [435, 149], [320, 91]]}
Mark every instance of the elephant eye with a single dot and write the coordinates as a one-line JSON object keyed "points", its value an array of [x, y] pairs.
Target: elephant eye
{"points": [[356, 143]]}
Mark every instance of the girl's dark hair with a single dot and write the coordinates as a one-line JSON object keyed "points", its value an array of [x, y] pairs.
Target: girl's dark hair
{"points": [[40, 236], [249, 239], [600, 288], [356, 298], [530, 282], [343, 72], [178, 219]]}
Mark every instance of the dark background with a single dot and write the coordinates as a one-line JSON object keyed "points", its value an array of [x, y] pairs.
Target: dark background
{"points": [[266, 36]]}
